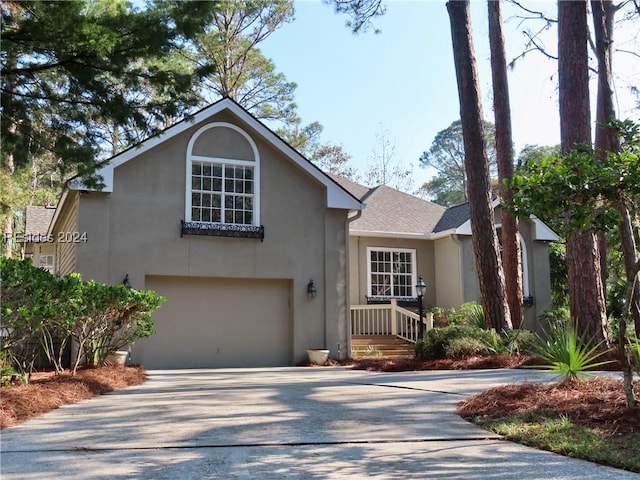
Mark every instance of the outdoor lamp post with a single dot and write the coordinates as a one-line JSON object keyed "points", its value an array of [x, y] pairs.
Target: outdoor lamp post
{"points": [[421, 288]]}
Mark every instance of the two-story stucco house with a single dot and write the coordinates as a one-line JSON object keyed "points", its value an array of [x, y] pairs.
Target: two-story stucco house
{"points": [[259, 253], [232, 226]]}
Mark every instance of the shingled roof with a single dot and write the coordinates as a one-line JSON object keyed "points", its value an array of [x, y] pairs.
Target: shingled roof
{"points": [[390, 211], [355, 189], [453, 218], [37, 220]]}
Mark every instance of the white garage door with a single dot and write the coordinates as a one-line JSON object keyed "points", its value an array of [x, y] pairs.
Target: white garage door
{"points": [[207, 323]]}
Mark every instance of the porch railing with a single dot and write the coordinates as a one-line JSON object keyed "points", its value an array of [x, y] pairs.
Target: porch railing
{"points": [[388, 319]]}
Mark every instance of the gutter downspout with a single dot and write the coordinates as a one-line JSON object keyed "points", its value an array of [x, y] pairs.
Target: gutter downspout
{"points": [[347, 222]]}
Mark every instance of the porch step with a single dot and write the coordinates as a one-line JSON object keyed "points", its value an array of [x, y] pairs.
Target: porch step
{"points": [[380, 346]]}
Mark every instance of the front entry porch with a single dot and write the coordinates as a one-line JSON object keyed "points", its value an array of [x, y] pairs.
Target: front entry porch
{"points": [[385, 330]]}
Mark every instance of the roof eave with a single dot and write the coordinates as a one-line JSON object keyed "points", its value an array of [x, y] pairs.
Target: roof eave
{"points": [[354, 232], [56, 214]]}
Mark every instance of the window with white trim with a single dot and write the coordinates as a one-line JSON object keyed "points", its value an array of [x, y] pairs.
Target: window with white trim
{"points": [[223, 171], [46, 262], [392, 272], [222, 192]]}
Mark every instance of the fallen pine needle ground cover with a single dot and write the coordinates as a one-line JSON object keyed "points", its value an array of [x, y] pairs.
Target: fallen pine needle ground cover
{"points": [[47, 390]]}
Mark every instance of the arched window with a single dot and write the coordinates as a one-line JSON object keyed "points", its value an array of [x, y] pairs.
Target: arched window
{"points": [[222, 177]]}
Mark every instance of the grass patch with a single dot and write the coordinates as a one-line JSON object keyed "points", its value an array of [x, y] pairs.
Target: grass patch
{"points": [[585, 419], [561, 435]]}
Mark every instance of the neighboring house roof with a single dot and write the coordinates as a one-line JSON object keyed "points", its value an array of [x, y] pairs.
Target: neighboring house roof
{"points": [[337, 197], [37, 220]]}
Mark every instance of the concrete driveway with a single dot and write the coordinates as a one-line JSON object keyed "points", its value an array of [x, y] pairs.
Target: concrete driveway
{"points": [[299, 423]]}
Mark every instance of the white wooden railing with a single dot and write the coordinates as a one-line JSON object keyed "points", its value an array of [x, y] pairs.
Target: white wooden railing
{"points": [[388, 319]]}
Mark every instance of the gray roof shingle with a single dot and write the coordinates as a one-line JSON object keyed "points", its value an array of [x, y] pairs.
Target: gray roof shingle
{"points": [[355, 189], [453, 217], [37, 220], [392, 211]]}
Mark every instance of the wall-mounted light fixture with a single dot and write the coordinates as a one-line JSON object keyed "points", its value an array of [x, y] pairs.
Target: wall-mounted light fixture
{"points": [[527, 301], [126, 281], [312, 291]]}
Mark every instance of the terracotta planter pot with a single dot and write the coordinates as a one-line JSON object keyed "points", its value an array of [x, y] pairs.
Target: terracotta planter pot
{"points": [[116, 358]]}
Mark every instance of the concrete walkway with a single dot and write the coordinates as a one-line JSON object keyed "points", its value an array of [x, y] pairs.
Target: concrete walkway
{"points": [[298, 423]]}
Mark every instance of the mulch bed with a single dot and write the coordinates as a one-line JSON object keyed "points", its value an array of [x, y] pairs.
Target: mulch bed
{"points": [[597, 402], [593, 403], [412, 364], [47, 391]]}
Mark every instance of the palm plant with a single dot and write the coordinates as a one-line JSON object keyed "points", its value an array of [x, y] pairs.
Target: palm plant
{"points": [[569, 354]]}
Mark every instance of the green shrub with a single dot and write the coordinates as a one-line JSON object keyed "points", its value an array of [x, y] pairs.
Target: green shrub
{"points": [[469, 313], [111, 317], [33, 301], [473, 313], [615, 292], [521, 341], [437, 340], [440, 317], [38, 308], [420, 349], [464, 347], [494, 343], [557, 315]]}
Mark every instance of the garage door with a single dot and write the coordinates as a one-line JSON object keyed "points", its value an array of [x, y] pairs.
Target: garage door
{"points": [[207, 323]]}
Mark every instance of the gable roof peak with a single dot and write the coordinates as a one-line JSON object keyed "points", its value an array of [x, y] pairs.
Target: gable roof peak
{"points": [[337, 196]]}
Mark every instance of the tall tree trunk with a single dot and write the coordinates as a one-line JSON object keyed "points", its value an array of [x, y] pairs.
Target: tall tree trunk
{"points": [[631, 268], [606, 138], [511, 259], [9, 161], [586, 292], [485, 240]]}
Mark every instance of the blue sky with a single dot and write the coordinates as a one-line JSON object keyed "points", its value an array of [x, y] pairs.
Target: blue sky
{"points": [[402, 80]]}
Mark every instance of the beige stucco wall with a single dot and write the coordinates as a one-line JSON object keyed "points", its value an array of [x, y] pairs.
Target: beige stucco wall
{"points": [[448, 261], [358, 264], [36, 250], [538, 274], [135, 230], [539, 279]]}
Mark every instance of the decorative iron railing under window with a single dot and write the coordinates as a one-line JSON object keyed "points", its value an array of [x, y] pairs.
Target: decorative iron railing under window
{"points": [[388, 319], [221, 230]]}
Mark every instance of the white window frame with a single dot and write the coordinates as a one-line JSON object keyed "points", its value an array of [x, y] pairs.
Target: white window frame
{"points": [[414, 268], [48, 267], [223, 162]]}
